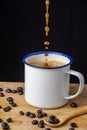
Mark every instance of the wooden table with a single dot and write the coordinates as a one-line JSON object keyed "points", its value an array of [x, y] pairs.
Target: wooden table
{"points": [[22, 122]]}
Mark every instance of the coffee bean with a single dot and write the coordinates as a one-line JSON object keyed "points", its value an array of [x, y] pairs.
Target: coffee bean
{"points": [[1, 120], [19, 89], [41, 124], [44, 114], [13, 104], [32, 115], [39, 111], [5, 126], [9, 120], [53, 119], [73, 104], [9, 99], [0, 107], [73, 125], [6, 109], [1, 95], [14, 91], [1, 89], [52, 116], [21, 112], [28, 113], [8, 90], [40, 115], [71, 129], [10, 102], [20, 92], [34, 122], [48, 129]]}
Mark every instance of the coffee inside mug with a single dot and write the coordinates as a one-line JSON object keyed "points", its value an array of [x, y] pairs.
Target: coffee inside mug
{"points": [[53, 60]]}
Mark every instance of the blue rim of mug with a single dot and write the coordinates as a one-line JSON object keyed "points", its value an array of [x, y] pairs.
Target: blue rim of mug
{"points": [[49, 52]]}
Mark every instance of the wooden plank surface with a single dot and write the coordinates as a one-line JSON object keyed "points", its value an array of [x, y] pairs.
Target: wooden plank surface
{"points": [[22, 122]]}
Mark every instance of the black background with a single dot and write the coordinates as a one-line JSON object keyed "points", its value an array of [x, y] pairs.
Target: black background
{"points": [[22, 25]]}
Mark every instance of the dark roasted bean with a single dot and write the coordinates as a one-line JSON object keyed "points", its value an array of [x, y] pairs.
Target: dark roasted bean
{"points": [[21, 112], [6, 109], [0, 107], [9, 120], [9, 99], [39, 111], [1, 89], [8, 90], [44, 114], [10, 102], [28, 113], [1, 120], [19, 89], [1, 95], [53, 119], [20, 92], [52, 116], [48, 129], [71, 129], [14, 91], [40, 115], [32, 115], [13, 104], [5, 126], [34, 122], [73, 125], [41, 124], [73, 104]]}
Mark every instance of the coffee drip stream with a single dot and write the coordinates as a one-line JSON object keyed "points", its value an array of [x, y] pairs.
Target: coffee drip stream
{"points": [[47, 29]]}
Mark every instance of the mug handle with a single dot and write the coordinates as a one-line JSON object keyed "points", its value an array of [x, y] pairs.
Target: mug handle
{"points": [[81, 83]]}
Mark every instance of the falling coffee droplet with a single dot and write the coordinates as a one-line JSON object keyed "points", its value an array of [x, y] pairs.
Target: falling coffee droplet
{"points": [[46, 65], [46, 55], [47, 43], [47, 29]]}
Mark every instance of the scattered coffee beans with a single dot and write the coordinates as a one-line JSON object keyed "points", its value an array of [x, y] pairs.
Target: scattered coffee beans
{"points": [[53, 120], [41, 114]]}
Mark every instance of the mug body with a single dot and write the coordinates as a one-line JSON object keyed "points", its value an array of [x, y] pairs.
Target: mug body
{"points": [[46, 87]]}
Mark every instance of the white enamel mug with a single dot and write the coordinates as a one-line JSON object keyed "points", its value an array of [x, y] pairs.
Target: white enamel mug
{"points": [[49, 87]]}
